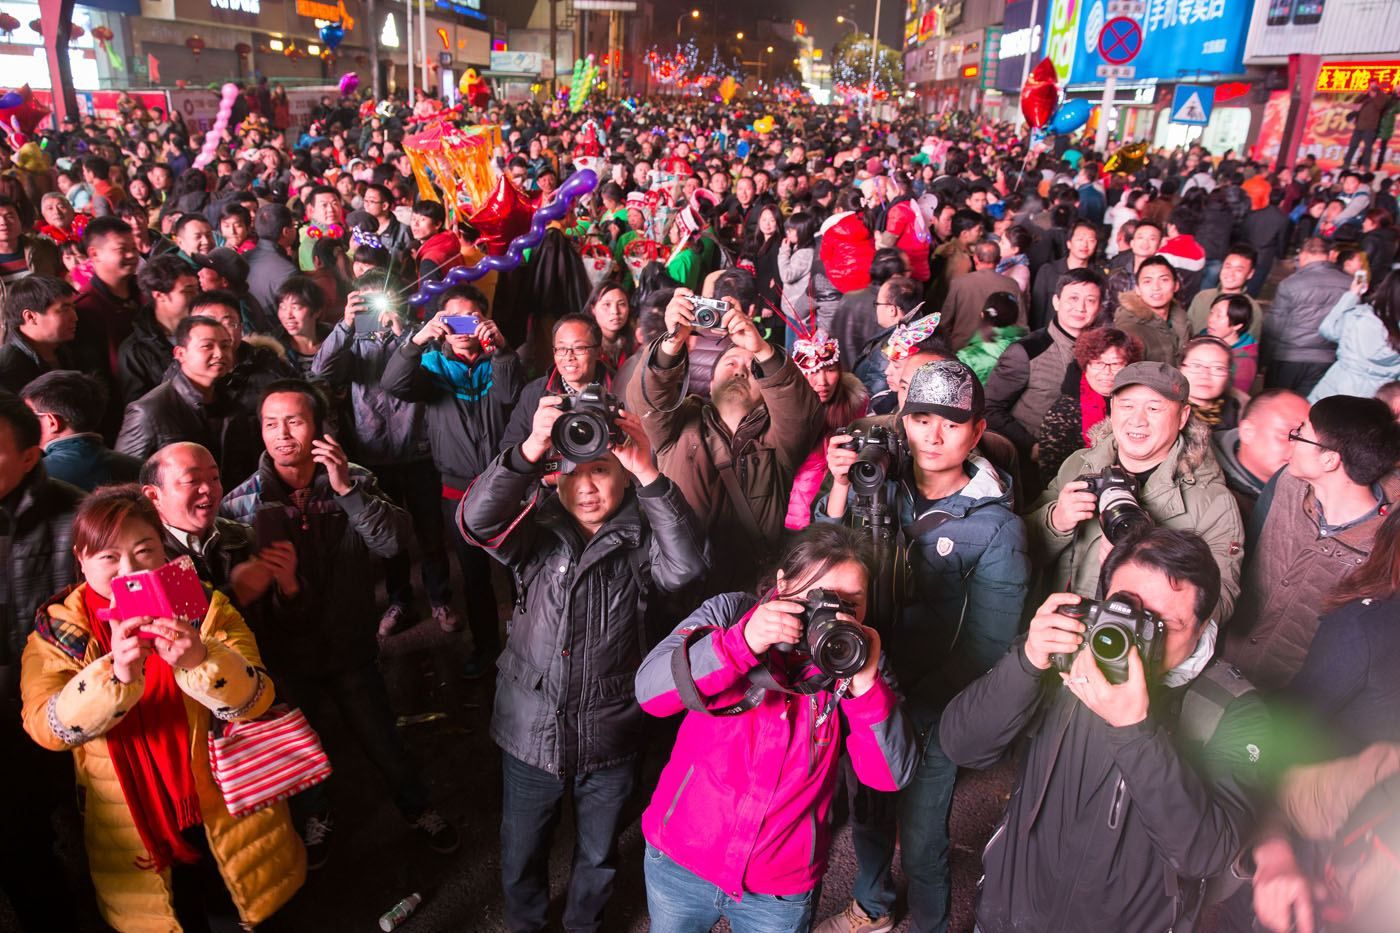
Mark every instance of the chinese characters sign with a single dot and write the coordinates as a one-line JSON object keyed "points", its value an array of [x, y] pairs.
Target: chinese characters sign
{"points": [[1353, 77], [1180, 38]]}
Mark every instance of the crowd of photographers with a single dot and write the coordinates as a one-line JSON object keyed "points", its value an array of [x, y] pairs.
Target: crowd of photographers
{"points": [[910, 452]]}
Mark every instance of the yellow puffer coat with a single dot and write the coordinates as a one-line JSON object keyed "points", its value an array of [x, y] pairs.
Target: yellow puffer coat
{"points": [[71, 699]]}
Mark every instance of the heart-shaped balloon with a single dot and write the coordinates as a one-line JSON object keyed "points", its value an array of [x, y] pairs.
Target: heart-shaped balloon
{"points": [[332, 34], [1040, 94], [348, 83]]}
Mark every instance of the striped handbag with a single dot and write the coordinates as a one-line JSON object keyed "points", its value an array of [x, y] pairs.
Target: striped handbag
{"points": [[258, 763]]}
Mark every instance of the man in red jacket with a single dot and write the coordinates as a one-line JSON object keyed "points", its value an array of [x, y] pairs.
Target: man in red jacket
{"points": [[438, 250]]}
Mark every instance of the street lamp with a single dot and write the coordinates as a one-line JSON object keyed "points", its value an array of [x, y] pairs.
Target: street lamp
{"points": [[694, 14], [739, 36]]}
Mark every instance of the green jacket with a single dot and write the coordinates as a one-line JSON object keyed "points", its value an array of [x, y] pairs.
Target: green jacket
{"points": [[981, 355], [1187, 491]]}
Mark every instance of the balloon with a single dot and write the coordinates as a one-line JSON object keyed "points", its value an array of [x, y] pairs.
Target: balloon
{"points": [[12, 99], [229, 97], [1129, 159], [332, 34], [554, 210], [763, 125], [1071, 116], [742, 150], [437, 287], [505, 215], [1040, 93], [578, 184], [348, 83]]}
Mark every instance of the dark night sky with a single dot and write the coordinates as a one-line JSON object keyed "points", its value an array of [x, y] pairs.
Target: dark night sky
{"points": [[820, 16]]}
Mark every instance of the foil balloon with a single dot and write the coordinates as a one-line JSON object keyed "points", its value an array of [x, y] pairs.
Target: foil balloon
{"points": [[11, 100], [349, 82], [332, 34], [763, 125], [1070, 116], [1040, 93], [1129, 159], [20, 115], [504, 215]]}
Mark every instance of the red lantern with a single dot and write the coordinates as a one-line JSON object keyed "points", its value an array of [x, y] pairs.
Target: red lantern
{"points": [[195, 44], [102, 34], [75, 32], [243, 49], [37, 25], [8, 23]]}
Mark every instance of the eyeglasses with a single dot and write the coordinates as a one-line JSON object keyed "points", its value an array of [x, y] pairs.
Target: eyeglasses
{"points": [[1105, 366], [1203, 368], [572, 352], [1296, 437]]}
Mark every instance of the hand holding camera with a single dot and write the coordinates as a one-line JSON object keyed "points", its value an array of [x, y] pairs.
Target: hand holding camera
{"points": [[1052, 632], [536, 447], [821, 626], [776, 622], [744, 333], [1118, 704], [680, 321], [434, 329], [1074, 505], [840, 456], [1116, 630], [877, 452], [634, 453]]}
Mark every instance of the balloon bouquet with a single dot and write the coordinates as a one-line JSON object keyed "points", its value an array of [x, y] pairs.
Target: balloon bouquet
{"points": [[1042, 108]]}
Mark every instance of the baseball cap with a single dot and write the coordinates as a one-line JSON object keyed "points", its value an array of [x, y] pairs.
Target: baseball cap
{"points": [[1165, 380], [947, 388], [227, 263]]}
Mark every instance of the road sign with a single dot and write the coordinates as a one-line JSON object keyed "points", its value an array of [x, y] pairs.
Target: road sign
{"points": [[1134, 8], [444, 59], [1192, 103], [1120, 40], [1116, 71]]}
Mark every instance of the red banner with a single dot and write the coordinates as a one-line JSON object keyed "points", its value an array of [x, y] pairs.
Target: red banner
{"points": [[1327, 135]]}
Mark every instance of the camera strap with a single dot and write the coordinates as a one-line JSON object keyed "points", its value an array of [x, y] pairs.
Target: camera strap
{"points": [[724, 464], [761, 681]]}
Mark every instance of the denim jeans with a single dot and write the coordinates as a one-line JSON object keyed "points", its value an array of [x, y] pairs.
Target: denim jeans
{"points": [[530, 812], [363, 703], [921, 816], [680, 901], [418, 488], [480, 596], [1210, 275]]}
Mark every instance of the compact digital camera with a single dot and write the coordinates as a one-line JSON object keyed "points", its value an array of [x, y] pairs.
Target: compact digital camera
{"points": [[877, 450], [838, 648], [1111, 628], [588, 425], [708, 311], [1120, 514]]}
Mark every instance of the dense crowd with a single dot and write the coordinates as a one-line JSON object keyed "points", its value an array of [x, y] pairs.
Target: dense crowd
{"points": [[860, 451]]}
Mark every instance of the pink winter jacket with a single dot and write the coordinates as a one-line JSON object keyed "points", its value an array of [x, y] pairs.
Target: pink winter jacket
{"points": [[850, 401], [744, 801]]}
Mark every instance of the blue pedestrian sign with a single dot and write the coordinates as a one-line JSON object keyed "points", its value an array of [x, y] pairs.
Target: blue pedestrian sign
{"points": [[1192, 103]]}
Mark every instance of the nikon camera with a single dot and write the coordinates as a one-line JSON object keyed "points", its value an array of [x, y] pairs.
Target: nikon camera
{"points": [[1111, 628], [1120, 514], [588, 425], [878, 450], [838, 648]]}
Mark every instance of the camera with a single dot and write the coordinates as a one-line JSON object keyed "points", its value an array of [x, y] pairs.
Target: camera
{"points": [[1113, 626], [1120, 514], [838, 648], [708, 311], [587, 425], [876, 449]]}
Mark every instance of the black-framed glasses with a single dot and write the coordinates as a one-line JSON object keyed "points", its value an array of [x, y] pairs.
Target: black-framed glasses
{"points": [[1296, 436], [568, 352]]}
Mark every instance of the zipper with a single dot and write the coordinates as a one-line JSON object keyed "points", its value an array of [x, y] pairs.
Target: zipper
{"points": [[812, 820], [690, 772], [1115, 809]]}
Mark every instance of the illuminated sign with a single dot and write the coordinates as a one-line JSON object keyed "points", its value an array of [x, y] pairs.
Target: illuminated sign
{"points": [[389, 35], [799, 27], [969, 71], [238, 6], [1021, 41], [332, 12], [1356, 77]]}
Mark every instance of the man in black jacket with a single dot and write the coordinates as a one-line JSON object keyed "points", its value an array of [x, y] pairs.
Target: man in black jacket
{"points": [[322, 645], [145, 356], [1139, 791], [565, 712], [39, 324]]}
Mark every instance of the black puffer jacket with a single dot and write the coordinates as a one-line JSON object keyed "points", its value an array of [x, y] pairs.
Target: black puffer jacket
{"points": [[565, 701], [143, 358], [174, 411]]}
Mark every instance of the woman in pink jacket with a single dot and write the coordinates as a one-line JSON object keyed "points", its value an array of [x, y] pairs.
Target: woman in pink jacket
{"points": [[737, 826], [844, 398]]}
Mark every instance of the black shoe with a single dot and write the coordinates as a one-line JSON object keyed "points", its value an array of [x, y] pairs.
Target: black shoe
{"points": [[440, 835], [317, 838]]}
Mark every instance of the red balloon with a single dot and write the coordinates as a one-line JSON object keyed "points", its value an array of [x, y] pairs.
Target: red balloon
{"points": [[1040, 94], [505, 215]]}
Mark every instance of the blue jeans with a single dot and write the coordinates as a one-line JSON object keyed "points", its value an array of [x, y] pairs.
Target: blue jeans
{"points": [[530, 811], [1210, 275], [922, 819], [680, 901]]}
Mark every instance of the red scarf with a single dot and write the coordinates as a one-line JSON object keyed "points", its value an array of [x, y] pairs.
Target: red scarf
{"points": [[1093, 408], [150, 751]]}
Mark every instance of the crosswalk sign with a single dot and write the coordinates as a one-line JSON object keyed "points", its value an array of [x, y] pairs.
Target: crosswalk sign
{"points": [[1192, 103]]}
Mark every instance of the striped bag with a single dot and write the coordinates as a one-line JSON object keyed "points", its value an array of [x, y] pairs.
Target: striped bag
{"points": [[258, 763]]}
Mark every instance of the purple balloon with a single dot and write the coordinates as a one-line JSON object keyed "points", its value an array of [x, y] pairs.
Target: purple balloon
{"points": [[436, 287], [554, 210], [12, 99], [420, 298], [457, 275], [579, 183]]}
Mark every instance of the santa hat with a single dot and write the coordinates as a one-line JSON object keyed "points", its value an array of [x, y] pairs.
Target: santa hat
{"points": [[907, 337], [1184, 253]]}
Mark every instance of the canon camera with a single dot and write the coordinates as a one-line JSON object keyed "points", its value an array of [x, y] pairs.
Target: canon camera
{"points": [[1121, 516], [877, 450], [838, 648], [587, 425]]}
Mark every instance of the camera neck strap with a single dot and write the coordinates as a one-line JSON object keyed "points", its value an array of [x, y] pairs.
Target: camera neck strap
{"points": [[761, 681]]}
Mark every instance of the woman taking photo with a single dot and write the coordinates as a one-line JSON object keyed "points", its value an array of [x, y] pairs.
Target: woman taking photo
{"points": [[737, 826], [133, 701], [795, 255], [1230, 317], [1099, 355], [1367, 335], [300, 306], [610, 306]]}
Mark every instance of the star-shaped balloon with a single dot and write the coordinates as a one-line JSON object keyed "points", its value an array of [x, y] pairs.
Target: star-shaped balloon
{"points": [[20, 114], [1129, 159], [505, 216]]}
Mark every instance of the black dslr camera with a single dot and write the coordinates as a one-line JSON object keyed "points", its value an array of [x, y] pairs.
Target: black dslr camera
{"points": [[1111, 628], [877, 450], [838, 648], [1120, 514], [588, 425]]}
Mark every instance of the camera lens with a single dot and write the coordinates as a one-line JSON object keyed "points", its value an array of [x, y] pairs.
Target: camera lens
{"points": [[706, 317], [1110, 642], [1120, 515], [580, 436], [839, 649], [870, 469]]}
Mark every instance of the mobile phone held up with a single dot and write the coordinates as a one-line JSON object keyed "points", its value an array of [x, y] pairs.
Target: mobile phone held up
{"points": [[462, 324], [169, 592]]}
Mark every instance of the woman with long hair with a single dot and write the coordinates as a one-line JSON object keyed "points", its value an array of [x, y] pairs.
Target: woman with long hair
{"points": [[761, 248], [1367, 335], [611, 307], [795, 256], [738, 825], [133, 700]]}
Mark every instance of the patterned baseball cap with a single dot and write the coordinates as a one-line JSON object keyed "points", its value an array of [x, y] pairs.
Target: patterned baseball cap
{"points": [[947, 388]]}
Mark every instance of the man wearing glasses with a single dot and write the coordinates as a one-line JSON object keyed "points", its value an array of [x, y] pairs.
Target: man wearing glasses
{"points": [[1314, 522], [379, 204], [578, 361], [1167, 454]]}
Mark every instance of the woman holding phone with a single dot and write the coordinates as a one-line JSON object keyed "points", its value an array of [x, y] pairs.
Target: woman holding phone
{"points": [[133, 701], [737, 826]]}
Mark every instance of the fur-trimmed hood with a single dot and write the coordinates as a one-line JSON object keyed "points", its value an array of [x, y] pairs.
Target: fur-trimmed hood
{"points": [[265, 342], [1194, 459], [848, 402]]}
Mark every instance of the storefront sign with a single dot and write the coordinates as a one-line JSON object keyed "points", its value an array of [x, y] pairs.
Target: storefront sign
{"points": [[1179, 37], [1356, 77], [252, 7], [330, 12], [1321, 27], [527, 63], [1063, 28], [1022, 37], [1327, 134]]}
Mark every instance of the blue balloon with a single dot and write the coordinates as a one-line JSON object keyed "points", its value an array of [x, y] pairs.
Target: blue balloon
{"points": [[742, 150], [12, 99], [419, 298], [436, 287], [332, 34], [1071, 116]]}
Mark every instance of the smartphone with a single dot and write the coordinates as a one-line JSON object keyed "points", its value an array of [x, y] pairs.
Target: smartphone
{"points": [[169, 592], [271, 524], [1361, 277], [464, 324]]}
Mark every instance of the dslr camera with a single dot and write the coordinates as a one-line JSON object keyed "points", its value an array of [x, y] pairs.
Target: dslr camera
{"points": [[1113, 626], [838, 648], [588, 425], [877, 450], [708, 311], [1120, 514]]}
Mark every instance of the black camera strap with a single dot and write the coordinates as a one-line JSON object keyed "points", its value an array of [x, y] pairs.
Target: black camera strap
{"points": [[761, 680]]}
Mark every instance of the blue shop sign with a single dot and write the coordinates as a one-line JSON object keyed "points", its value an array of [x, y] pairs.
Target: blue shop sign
{"points": [[1020, 37], [1181, 39]]}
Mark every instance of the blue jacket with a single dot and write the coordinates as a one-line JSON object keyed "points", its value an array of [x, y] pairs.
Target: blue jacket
{"points": [[84, 461], [1366, 360], [964, 585]]}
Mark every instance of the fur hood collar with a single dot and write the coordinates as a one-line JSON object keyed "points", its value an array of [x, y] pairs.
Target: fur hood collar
{"points": [[848, 402], [1192, 451]]}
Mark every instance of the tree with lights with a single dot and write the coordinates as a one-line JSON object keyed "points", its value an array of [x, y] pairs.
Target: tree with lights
{"points": [[850, 70]]}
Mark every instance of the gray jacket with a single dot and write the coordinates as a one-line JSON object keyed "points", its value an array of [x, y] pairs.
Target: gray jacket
{"points": [[1303, 301], [1026, 382], [564, 700], [384, 429], [268, 268]]}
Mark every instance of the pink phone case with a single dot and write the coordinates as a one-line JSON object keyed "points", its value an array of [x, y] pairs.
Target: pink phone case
{"points": [[169, 592]]}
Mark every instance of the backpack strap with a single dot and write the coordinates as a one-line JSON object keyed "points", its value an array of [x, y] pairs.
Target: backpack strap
{"points": [[1207, 699]]}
